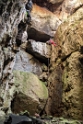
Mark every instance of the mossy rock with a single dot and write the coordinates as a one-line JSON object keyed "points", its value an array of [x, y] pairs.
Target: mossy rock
{"points": [[31, 92]]}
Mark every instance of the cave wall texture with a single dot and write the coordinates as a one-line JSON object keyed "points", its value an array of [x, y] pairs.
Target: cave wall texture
{"points": [[26, 60]]}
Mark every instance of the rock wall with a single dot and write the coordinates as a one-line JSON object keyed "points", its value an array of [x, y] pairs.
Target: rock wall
{"points": [[10, 17], [23, 47], [69, 58]]}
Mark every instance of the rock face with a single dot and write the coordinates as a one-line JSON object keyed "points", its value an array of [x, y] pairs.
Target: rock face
{"points": [[62, 8], [10, 17], [27, 63], [23, 47], [31, 93], [14, 37], [69, 8], [40, 50], [55, 92], [51, 5], [70, 56], [45, 22], [73, 86]]}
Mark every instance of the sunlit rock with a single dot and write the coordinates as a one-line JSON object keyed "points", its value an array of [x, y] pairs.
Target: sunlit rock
{"points": [[44, 22], [39, 49], [70, 40], [69, 7]]}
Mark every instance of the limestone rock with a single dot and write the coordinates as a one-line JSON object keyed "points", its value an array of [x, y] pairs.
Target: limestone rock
{"points": [[2, 117], [71, 5], [68, 7], [65, 60], [31, 93], [2, 114], [55, 92], [69, 37], [73, 86], [52, 5], [39, 49], [26, 62], [43, 21], [72, 28]]}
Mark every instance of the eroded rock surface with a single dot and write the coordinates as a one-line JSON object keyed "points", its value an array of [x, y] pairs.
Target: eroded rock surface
{"points": [[55, 92], [70, 56], [45, 22], [40, 50], [14, 37], [63, 76], [27, 63], [31, 93]]}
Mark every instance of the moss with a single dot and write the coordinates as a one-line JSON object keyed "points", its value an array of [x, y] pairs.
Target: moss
{"points": [[27, 81], [26, 13], [64, 78]]}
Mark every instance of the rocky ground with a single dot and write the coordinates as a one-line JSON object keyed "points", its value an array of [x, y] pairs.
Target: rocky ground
{"points": [[22, 119]]}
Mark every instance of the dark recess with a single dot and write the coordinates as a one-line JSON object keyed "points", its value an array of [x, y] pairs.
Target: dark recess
{"points": [[37, 36]]}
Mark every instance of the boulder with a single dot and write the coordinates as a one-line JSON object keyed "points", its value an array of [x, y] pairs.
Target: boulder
{"points": [[51, 5], [69, 34], [26, 62], [39, 49], [22, 119], [31, 93], [44, 24], [18, 119], [69, 7]]}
